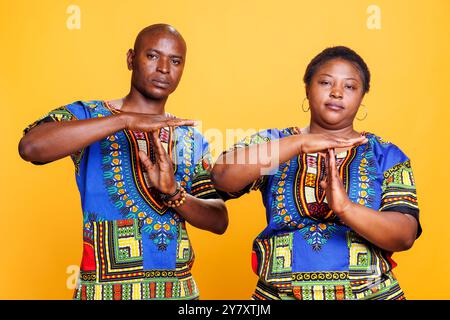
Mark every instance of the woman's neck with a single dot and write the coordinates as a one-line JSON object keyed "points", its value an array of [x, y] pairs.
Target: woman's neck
{"points": [[346, 132]]}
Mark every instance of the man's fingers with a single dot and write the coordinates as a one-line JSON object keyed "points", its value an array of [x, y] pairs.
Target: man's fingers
{"points": [[148, 165], [159, 149], [181, 122]]}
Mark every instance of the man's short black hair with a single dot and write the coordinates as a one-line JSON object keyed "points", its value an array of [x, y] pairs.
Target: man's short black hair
{"points": [[339, 52]]}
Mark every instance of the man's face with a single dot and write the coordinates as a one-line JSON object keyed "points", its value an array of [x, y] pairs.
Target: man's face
{"points": [[157, 64]]}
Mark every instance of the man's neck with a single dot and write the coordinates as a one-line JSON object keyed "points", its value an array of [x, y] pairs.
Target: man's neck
{"points": [[136, 102]]}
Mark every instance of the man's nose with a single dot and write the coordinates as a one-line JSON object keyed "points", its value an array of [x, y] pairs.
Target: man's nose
{"points": [[163, 65]]}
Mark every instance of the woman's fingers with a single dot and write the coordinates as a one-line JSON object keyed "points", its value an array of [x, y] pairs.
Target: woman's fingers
{"points": [[340, 143], [332, 169]]}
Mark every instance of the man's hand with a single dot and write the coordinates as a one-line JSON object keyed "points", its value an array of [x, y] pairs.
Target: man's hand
{"points": [[160, 173], [149, 122]]}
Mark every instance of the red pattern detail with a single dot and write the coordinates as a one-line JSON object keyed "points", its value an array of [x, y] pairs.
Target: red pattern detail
{"points": [[125, 223], [340, 292], [189, 284], [297, 291], [169, 289], [164, 135], [391, 261], [117, 292], [88, 260], [83, 293], [254, 262], [152, 290]]}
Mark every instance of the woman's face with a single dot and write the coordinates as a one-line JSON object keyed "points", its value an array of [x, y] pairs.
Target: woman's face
{"points": [[335, 94]]}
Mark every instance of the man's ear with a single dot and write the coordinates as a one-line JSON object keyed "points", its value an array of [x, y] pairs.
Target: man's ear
{"points": [[130, 59]]}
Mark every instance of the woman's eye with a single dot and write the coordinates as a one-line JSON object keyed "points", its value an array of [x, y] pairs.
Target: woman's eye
{"points": [[351, 87], [324, 82]]}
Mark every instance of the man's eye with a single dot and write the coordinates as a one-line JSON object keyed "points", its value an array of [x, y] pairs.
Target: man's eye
{"points": [[324, 82], [152, 56], [176, 62]]}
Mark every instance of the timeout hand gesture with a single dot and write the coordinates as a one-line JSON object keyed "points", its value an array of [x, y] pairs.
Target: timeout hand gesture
{"points": [[160, 173], [317, 142], [337, 197], [150, 122]]}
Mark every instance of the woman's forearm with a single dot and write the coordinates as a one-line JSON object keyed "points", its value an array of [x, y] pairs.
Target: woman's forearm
{"points": [[236, 169], [389, 230]]}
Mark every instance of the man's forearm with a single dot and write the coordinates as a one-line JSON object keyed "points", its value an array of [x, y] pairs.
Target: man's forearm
{"points": [[206, 214], [51, 141]]}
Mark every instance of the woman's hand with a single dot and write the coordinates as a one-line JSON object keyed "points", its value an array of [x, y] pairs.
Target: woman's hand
{"points": [[317, 142], [337, 197], [160, 173]]}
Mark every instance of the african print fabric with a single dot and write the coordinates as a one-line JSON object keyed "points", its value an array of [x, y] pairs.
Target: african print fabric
{"points": [[134, 247], [305, 252]]}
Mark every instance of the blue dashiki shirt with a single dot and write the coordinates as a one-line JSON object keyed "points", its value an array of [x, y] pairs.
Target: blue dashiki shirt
{"points": [[305, 252], [134, 247]]}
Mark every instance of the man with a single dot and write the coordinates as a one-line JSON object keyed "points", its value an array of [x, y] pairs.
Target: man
{"points": [[141, 174]]}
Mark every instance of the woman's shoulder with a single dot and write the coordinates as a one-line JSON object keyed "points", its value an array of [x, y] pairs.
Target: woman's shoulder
{"points": [[387, 152], [277, 133]]}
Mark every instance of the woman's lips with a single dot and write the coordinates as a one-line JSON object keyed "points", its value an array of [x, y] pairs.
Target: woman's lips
{"points": [[334, 106]]}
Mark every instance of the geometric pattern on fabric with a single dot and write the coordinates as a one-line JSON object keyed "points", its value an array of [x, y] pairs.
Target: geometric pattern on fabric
{"points": [[274, 260], [265, 292], [144, 289], [370, 272], [58, 115], [118, 250], [202, 186], [329, 285], [399, 187], [185, 254], [309, 195]]}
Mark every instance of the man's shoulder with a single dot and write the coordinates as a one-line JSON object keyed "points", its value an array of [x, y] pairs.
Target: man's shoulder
{"points": [[88, 108]]}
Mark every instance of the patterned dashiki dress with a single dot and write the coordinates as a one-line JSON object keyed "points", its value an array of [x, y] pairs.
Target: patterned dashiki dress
{"points": [[134, 247], [305, 252]]}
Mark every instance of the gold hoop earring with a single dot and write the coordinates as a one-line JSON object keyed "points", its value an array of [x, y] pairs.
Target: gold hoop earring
{"points": [[365, 114], [303, 108]]}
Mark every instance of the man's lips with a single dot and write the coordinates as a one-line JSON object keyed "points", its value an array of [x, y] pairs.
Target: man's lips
{"points": [[160, 83]]}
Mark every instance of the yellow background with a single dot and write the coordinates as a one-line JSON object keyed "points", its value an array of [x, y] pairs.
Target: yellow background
{"points": [[245, 63]]}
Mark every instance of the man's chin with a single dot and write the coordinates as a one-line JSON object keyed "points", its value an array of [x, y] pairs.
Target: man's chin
{"points": [[157, 94]]}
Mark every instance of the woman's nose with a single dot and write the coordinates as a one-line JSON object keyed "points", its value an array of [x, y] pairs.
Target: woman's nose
{"points": [[336, 93]]}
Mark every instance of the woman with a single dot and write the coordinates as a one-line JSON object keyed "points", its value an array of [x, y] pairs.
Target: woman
{"points": [[338, 203]]}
